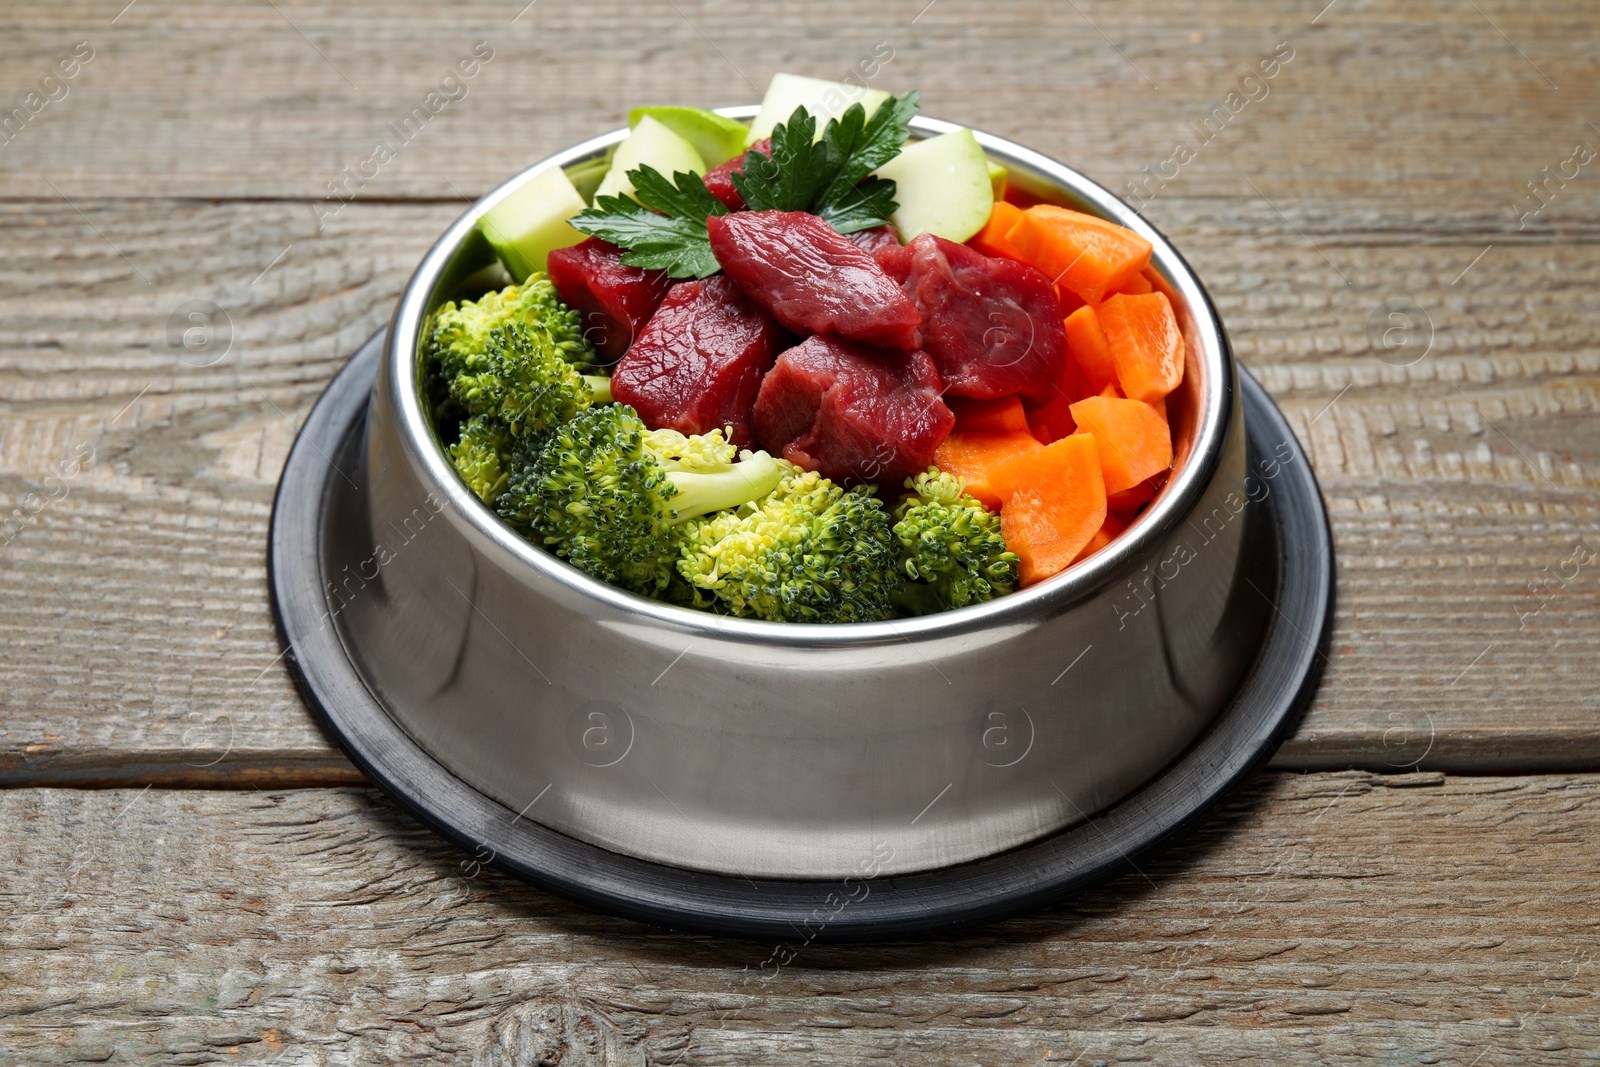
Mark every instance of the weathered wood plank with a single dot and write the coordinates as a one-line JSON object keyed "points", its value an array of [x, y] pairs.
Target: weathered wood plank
{"points": [[1436, 103], [140, 644], [137, 625], [1319, 919]]}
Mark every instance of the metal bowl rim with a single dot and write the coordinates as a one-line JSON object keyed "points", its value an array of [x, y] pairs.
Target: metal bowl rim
{"points": [[1218, 399]]}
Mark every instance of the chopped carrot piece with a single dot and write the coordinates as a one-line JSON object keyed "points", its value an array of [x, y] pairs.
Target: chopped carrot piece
{"points": [[991, 240], [1146, 345], [1024, 470], [1058, 505], [1136, 285], [971, 457], [1053, 421], [1087, 255], [1086, 342], [1002, 415], [1135, 498], [1109, 529], [1135, 442]]}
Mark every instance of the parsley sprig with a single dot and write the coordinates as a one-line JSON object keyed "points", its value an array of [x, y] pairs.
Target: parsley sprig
{"points": [[663, 227], [828, 176]]}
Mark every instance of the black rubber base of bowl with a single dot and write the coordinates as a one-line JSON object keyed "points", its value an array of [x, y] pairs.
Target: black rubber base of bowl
{"points": [[1292, 565]]}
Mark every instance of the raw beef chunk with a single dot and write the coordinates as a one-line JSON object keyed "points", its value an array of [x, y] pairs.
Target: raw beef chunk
{"points": [[992, 326], [852, 413], [812, 278], [699, 361], [614, 299], [719, 179]]}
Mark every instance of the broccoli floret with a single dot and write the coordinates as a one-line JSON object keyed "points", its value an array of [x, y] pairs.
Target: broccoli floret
{"points": [[520, 379], [710, 473], [460, 334], [606, 493], [952, 548], [808, 552], [703, 452], [482, 456]]}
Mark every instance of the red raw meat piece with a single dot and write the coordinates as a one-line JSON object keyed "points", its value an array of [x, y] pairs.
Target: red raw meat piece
{"points": [[719, 179], [852, 413], [812, 278], [992, 326], [870, 241], [894, 260], [699, 361], [614, 299]]}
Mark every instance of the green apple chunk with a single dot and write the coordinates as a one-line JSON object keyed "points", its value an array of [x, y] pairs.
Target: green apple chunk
{"points": [[528, 225], [653, 144], [823, 99], [717, 139], [943, 187]]}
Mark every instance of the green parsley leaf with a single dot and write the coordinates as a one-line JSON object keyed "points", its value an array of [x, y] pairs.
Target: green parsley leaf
{"points": [[828, 177], [792, 174], [862, 149], [860, 207], [663, 226], [686, 196], [672, 237]]}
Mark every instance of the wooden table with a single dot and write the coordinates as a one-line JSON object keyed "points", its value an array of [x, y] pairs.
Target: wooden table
{"points": [[194, 872]]}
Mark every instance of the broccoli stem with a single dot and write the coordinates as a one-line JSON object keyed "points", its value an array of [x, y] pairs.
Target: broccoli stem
{"points": [[700, 493], [599, 388]]}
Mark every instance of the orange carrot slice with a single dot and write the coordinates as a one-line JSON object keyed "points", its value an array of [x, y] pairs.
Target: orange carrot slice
{"points": [[1109, 529], [1057, 505], [1034, 469], [971, 457], [1053, 421], [1136, 285], [991, 240], [1129, 500], [1086, 342], [1087, 255], [1002, 415], [1146, 344], [1135, 442]]}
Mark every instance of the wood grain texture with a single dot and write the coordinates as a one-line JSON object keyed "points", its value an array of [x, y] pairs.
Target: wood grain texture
{"points": [[1320, 919], [1342, 918], [138, 631], [140, 641], [1430, 104]]}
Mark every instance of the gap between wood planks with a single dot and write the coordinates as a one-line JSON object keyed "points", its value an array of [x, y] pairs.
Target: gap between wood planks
{"points": [[318, 771]]}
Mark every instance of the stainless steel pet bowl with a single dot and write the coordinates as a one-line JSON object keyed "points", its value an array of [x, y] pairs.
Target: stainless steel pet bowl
{"points": [[794, 751]]}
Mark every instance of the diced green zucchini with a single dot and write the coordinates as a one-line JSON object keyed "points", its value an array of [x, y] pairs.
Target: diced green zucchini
{"points": [[653, 144], [943, 187], [823, 99], [528, 225], [717, 139]]}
